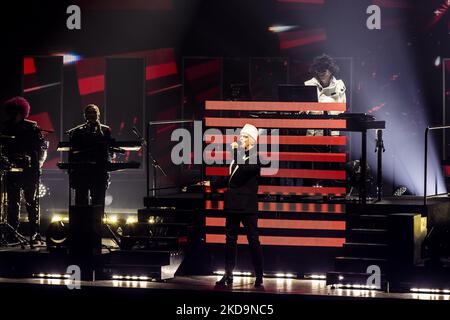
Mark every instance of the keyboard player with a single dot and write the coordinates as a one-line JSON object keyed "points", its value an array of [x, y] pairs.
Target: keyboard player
{"points": [[90, 146]]}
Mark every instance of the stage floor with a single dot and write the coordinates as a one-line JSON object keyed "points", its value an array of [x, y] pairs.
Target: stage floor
{"points": [[199, 285]]}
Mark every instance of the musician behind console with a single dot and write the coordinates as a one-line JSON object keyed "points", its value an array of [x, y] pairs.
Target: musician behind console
{"points": [[26, 152], [90, 148], [329, 89]]}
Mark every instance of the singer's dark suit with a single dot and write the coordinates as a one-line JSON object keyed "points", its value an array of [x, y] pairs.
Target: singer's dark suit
{"points": [[241, 205], [90, 146]]}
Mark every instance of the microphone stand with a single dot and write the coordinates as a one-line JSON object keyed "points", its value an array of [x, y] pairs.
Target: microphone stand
{"points": [[379, 149], [150, 156], [151, 159]]}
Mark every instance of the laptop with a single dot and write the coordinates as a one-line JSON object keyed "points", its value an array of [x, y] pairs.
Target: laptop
{"points": [[295, 92]]}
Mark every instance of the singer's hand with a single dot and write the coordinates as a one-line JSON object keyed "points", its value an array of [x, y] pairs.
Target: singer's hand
{"points": [[234, 145]]}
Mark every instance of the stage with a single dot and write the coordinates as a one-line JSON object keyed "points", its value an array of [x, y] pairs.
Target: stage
{"points": [[280, 298]]}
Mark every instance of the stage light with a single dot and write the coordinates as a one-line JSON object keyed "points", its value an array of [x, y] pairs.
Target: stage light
{"points": [[56, 235], [57, 218], [68, 58], [316, 276], [430, 290], [131, 277], [356, 286], [111, 219], [277, 29], [400, 191], [51, 275], [131, 220], [43, 190], [437, 61]]}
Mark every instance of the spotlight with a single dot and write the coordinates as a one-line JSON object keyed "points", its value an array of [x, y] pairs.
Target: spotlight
{"points": [[43, 190], [279, 28], [57, 218], [437, 61], [111, 219], [56, 236], [400, 191], [131, 220], [68, 58]]}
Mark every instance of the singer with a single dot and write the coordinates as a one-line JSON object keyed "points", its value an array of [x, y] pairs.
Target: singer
{"points": [[241, 204], [90, 146]]}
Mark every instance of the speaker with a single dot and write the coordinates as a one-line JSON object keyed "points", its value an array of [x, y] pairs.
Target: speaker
{"points": [[85, 230]]}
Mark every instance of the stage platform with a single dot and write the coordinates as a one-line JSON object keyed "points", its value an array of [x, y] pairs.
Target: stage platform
{"points": [[288, 298]]}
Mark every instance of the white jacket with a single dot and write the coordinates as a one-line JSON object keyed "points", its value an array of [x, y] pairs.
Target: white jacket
{"points": [[335, 92]]}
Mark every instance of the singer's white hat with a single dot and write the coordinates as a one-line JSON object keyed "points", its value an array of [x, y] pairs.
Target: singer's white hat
{"points": [[251, 131]]}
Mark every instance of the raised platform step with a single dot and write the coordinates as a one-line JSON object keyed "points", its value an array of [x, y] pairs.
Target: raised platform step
{"points": [[363, 235], [358, 265], [372, 250], [160, 265], [367, 221]]}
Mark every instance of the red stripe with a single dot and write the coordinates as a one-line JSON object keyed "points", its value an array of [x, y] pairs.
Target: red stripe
{"points": [[276, 123], [297, 140], [284, 207], [284, 156], [91, 85], [274, 106], [283, 241], [28, 66], [285, 224], [160, 70], [293, 190], [286, 173], [91, 67], [447, 171], [203, 69], [294, 39]]}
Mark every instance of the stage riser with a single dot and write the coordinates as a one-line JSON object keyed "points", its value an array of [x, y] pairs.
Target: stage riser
{"points": [[156, 265], [347, 264], [367, 236], [364, 250], [345, 278], [142, 257], [366, 221]]}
